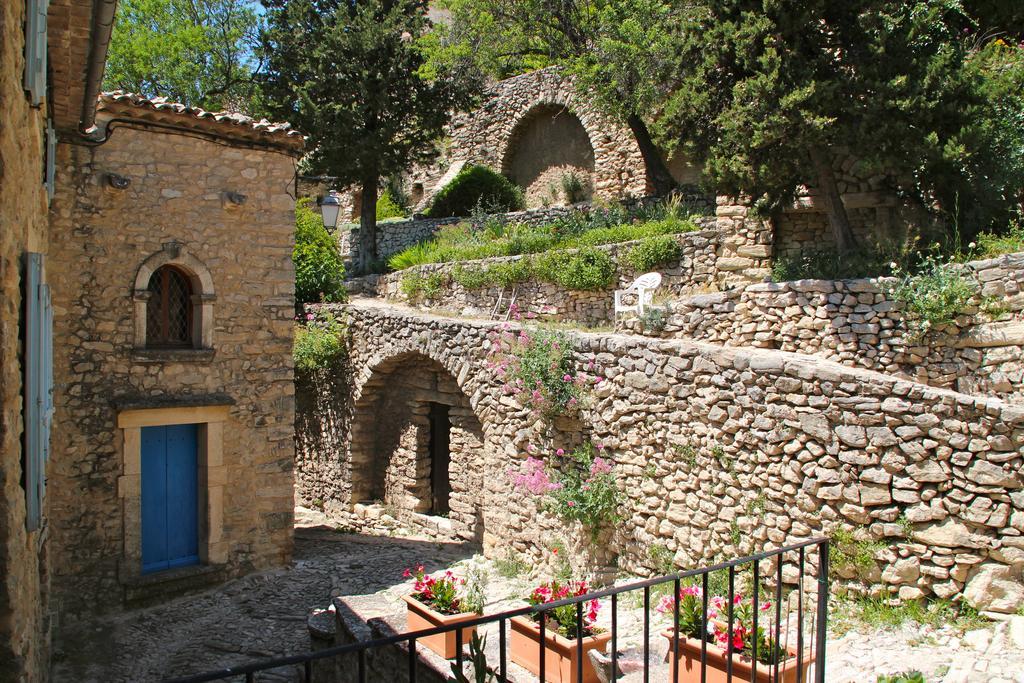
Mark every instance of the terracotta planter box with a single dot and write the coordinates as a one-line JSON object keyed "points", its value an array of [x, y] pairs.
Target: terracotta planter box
{"points": [[559, 652], [689, 664], [419, 617]]}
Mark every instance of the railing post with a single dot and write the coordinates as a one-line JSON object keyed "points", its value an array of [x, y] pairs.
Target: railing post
{"points": [[822, 625]]}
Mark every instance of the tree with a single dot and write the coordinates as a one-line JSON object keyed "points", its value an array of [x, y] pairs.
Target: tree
{"points": [[613, 46], [199, 52], [771, 91], [350, 74]]}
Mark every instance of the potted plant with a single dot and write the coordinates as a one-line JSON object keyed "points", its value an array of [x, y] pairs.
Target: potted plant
{"points": [[438, 602], [560, 652], [715, 641]]}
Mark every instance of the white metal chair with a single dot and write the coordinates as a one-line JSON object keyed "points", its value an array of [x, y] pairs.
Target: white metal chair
{"points": [[642, 288]]}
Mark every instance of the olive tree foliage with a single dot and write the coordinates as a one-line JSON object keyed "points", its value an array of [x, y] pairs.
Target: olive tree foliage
{"points": [[350, 74], [770, 92], [617, 49], [199, 52]]}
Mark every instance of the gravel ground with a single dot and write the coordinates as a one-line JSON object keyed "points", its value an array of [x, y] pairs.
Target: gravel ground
{"points": [[264, 615]]}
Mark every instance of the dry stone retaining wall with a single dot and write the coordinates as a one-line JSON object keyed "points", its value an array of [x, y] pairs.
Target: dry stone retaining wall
{"points": [[695, 269], [857, 323], [724, 451]]}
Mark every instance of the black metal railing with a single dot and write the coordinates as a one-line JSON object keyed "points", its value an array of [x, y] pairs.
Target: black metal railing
{"points": [[805, 661]]}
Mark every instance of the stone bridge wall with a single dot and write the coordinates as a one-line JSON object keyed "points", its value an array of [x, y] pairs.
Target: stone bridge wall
{"points": [[856, 323], [725, 451]]}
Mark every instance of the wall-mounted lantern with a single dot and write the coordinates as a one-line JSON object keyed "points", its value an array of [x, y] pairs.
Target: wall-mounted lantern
{"points": [[330, 208], [118, 182]]}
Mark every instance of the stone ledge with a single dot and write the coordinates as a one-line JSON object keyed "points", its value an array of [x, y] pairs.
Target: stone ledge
{"points": [[147, 589], [122, 403], [173, 355]]}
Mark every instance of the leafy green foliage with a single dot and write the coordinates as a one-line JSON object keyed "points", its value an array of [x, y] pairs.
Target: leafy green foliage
{"points": [[905, 677], [350, 76], [586, 489], [991, 244], [319, 270], [476, 186], [769, 95], [654, 319], [482, 672], [828, 264], [934, 295], [416, 286], [653, 252], [586, 269], [854, 549], [463, 242], [320, 343], [199, 52], [387, 207]]}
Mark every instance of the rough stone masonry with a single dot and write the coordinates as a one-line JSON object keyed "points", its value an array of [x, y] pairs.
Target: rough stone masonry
{"points": [[725, 451]]}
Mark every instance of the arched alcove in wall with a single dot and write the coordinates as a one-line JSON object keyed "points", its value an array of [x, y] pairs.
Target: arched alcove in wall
{"points": [[548, 144], [417, 445]]}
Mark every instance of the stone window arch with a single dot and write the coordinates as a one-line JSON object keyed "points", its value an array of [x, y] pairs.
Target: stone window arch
{"points": [[174, 299]]}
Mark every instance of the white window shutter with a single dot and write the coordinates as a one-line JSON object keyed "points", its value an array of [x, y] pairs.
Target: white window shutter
{"points": [[38, 386], [35, 49]]}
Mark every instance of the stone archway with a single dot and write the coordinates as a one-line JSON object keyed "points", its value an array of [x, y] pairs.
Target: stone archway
{"points": [[417, 446], [549, 144]]}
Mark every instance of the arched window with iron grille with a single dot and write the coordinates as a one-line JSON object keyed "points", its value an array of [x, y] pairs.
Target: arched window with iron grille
{"points": [[169, 315]]}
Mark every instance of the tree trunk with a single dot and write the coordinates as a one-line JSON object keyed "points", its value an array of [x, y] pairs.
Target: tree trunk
{"points": [[657, 172], [838, 220], [368, 223]]}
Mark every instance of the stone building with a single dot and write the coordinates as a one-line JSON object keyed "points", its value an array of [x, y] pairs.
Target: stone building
{"points": [[145, 331], [173, 292]]}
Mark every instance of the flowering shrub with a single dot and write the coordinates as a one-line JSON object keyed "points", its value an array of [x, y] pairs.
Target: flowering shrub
{"points": [[743, 634], [577, 486], [563, 619], [537, 366], [443, 595]]}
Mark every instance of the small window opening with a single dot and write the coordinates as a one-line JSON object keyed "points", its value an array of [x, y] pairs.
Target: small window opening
{"points": [[169, 311]]}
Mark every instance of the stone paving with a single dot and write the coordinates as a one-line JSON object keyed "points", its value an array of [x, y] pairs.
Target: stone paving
{"points": [[264, 615]]}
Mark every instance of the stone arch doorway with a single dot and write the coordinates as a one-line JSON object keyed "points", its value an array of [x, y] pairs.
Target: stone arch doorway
{"points": [[417, 448], [548, 145]]}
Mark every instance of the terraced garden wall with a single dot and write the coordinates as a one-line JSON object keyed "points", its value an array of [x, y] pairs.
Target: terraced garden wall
{"points": [[693, 270], [857, 323], [718, 452]]}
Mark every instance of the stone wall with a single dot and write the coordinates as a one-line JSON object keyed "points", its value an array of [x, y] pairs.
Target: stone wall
{"points": [[856, 323], [694, 270], [490, 135], [722, 451], [24, 636], [175, 209]]}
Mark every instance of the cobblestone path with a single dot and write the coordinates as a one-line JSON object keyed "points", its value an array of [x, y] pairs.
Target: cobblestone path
{"points": [[255, 617]]}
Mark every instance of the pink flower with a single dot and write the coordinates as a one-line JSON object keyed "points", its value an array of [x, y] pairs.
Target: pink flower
{"points": [[309, 316], [600, 466], [598, 380], [560, 451], [571, 503], [566, 378]]}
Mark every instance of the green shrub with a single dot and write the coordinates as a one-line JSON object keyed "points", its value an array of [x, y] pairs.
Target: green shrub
{"points": [[416, 286], [989, 245], [654, 319], [476, 186], [573, 187], [320, 343], [653, 252], [905, 677], [827, 264], [319, 270], [584, 270], [934, 295], [387, 207]]}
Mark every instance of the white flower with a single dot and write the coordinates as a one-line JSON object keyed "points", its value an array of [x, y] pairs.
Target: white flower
{"points": [[972, 245], [893, 265]]}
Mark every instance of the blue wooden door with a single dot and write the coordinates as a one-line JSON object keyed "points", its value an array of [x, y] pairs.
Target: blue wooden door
{"points": [[170, 497]]}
